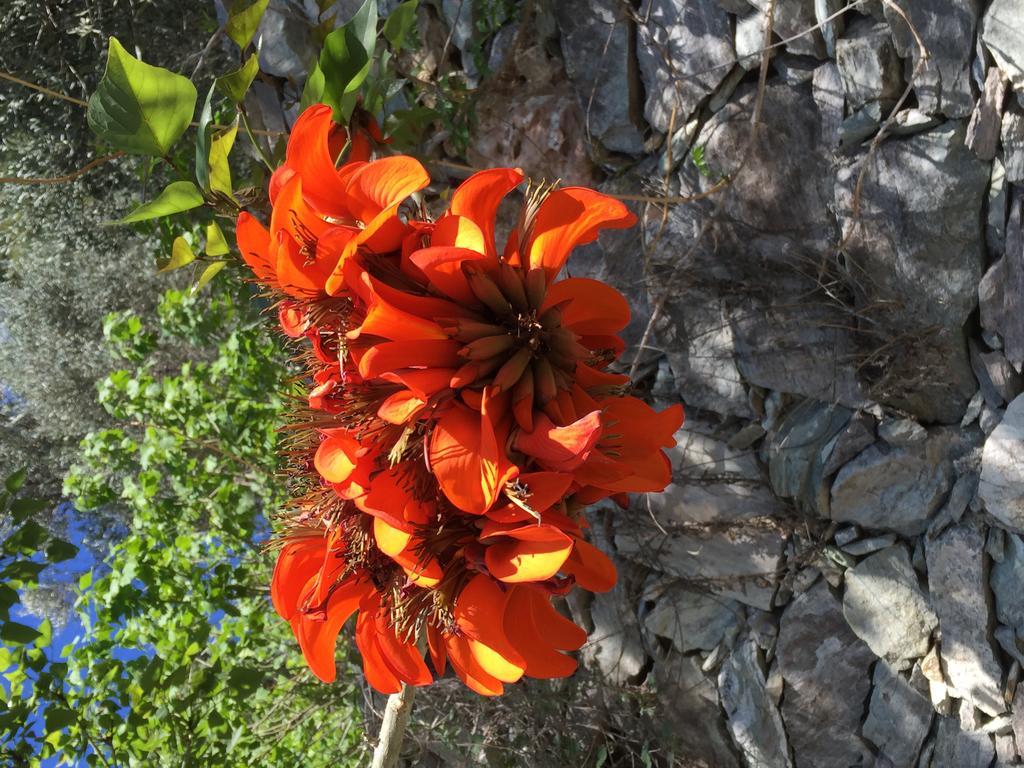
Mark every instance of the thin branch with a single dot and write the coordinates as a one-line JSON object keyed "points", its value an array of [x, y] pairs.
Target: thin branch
{"points": [[392, 728], [42, 89], [65, 178]]}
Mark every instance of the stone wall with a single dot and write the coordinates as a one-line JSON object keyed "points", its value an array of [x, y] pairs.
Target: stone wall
{"points": [[836, 576]]}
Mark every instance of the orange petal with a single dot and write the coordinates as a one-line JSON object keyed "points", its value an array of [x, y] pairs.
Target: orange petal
{"points": [[569, 217], [443, 267], [310, 155], [560, 448], [383, 183], [296, 563], [589, 306], [460, 232], [317, 637], [396, 355], [436, 646], [402, 658], [542, 660], [390, 540], [534, 553], [558, 630], [378, 674], [401, 407], [254, 245], [478, 198], [336, 457], [464, 456], [468, 668], [591, 567]]}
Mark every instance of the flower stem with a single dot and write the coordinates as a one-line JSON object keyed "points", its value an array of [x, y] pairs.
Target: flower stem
{"points": [[392, 727]]}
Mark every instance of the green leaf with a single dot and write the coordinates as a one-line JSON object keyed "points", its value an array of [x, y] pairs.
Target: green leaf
{"points": [[313, 90], [85, 581], [23, 508], [216, 244], [28, 537], [8, 597], [220, 171], [236, 84], [400, 23], [178, 196], [181, 255], [18, 634], [208, 274], [364, 25], [203, 141], [139, 108], [45, 634], [59, 550], [23, 571], [15, 480], [58, 717], [242, 24], [345, 65]]}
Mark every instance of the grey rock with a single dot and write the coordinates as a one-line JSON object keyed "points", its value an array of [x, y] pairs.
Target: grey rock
{"points": [[735, 6], [955, 746], [685, 50], [1001, 291], [741, 562], [990, 418], [1013, 144], [947, 30], [691, 619], [726, 89], [598, 57], [753, 719], [747, 436], [963, 491], [796, 453], [861, 125], [795, 70], [885, 607], [995, 227], [1006, 750], [867, 546], [846, 535], [1002, 469], [909, 121], [995, 544], [985, 384], [956, 580], [973, 410], [827, 87], [1006, 579], [918, 250], [1003, 35], [1007, 640], [712, 482], [870, 68], [618, 649], [793, 17], [724, 323], [1017, 715], [750, 39], [824, 10], [825, 668], [1005, 379], [986, 121], [896, 489], [898, 718], [858, 435], [687, 696], [902, 432]]}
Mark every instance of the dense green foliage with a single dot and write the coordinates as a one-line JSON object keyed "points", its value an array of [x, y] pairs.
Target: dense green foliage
{"points": [[181, 662]]}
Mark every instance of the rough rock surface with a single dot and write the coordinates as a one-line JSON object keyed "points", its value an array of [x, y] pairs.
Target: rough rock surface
{"points": [[885, 606], [1006, 579], [895, 489], [753, 719], [956, 580], [825, 669], [898, 719], [597, 43], [691, 619], [685, 51], [1002, 469], [946, 28], [915, 259], [1003, 36], [870, 68]]}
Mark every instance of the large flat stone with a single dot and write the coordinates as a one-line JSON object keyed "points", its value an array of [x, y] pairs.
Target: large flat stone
{"points": [[946, 28], [1007, 578], [1001, 291], [1003, 35], [956, 581], [752, 716], [1002, 469], [914, 259], [898, 718], [886, 608], [825, 667], [684, 48]]}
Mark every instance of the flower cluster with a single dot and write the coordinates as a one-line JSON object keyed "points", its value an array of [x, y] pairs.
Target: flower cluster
{"points": [[460, 415]]}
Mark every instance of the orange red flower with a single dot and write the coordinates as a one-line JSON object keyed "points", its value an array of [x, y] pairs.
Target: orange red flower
{"points": [[462, 411]]}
